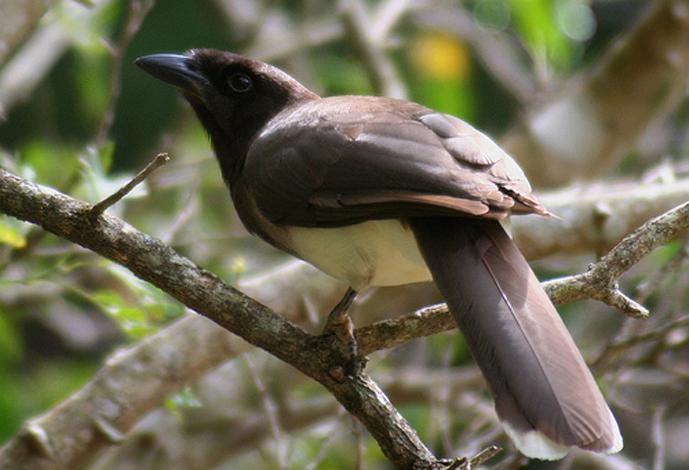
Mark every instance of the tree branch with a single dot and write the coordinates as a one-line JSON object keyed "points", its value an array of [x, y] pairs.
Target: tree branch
{"points": [[21, 197], [599, 282], [159, 160], [594, 217], [205, 293], [129, 385], [380, 68]]}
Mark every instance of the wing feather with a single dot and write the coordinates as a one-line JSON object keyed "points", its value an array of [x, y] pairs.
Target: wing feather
{"points": [[330, 162]]}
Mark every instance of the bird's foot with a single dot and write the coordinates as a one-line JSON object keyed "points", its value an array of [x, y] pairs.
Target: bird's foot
{"points": [[343, 330], [340, 325]]}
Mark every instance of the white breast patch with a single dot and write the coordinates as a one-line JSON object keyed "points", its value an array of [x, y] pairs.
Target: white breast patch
{"points": [[373, 253]]}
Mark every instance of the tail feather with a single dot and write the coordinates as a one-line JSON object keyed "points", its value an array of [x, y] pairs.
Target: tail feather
{"points": [[544, 392]]}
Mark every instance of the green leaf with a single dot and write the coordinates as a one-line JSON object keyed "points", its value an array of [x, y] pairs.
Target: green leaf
{"points": [[492, 13], [185, 398], [536, 23], [96, 183], [40, 161], [10, 344], [159, 306], [141, 309], [11, 233], [132, 320], [342, 75]]}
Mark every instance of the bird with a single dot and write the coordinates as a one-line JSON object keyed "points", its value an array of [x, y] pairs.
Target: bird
{"points": [[376, 191]]}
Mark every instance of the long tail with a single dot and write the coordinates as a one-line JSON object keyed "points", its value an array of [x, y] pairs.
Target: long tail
{"points": [[544, 393]]}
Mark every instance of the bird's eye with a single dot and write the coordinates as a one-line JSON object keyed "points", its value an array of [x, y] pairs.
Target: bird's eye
{"points": [[240, 82]]}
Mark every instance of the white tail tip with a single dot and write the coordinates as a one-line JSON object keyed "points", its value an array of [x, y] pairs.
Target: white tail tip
{"points": [[535, 445], [618, 443]]}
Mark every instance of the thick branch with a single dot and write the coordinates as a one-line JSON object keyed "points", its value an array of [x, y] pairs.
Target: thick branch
{"points": [[69, 418], [205, 293], [128, 386], [594, 217]]}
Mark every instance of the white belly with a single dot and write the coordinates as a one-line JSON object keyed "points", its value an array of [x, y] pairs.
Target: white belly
{"points": [[373, 253]]}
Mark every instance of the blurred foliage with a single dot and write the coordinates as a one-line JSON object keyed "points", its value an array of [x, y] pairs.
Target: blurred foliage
{"points": [[51, 138], [68, 105], [442, 70]]}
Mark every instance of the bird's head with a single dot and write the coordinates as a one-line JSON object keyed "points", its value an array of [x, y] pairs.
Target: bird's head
{"points": [[233, 96]]}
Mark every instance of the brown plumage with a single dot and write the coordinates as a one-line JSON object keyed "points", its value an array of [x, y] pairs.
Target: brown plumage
{"points": [[534, 369], [377, 191]]}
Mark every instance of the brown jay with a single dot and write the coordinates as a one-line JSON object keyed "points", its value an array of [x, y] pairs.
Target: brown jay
{"points": [[381, 192]]}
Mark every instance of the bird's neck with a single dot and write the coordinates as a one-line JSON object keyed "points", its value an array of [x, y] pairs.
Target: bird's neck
{"points": [[231, 140], [229, 149], [231, 154]]}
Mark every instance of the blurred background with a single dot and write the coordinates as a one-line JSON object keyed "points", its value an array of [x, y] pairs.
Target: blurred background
{"points": [[590, 96]]}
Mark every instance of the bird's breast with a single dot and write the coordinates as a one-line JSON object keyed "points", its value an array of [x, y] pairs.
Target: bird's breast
{"points": [[372, 253]]}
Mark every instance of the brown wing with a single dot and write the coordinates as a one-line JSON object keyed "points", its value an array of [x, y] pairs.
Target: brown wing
{"points": [[341, 160]]}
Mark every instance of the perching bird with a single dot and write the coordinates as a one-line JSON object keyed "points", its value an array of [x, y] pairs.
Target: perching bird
{"points": [[381, 192]]}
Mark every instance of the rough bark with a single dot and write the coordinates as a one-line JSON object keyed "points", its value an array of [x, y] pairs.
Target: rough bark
{"points": [[200, 346], [200, 290]]}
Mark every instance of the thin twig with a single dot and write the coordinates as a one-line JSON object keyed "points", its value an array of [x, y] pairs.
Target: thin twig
{"points": [[360, 462], [658, 438], [157, 263], [482, 457], [152, 261], [617, 346], [159, 160], [652, 335], [628, 332], [390, 333], [485, 455], [325, 444], [651, 284], [599, 282], [380, 69], [138, 9], [270, 408]]}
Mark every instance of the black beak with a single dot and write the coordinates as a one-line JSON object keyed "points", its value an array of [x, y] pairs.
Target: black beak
{"points": [[174, 69]]}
